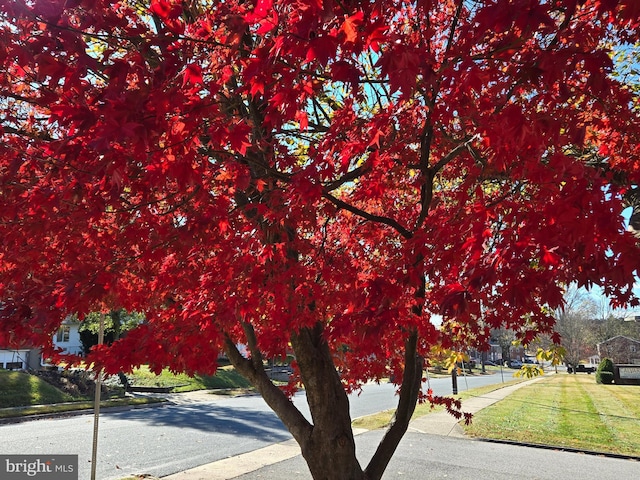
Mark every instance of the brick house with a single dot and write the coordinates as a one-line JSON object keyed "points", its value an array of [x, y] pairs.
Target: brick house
{"points": [[621, 350]]}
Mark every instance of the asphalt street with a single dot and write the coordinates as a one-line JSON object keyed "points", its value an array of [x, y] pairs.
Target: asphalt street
{"points": [[429, 450], [423, 456], [194, 429]]}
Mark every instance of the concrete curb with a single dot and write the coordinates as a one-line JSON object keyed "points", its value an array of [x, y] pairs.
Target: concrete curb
{"points": [[75, 413], [558, 448]]}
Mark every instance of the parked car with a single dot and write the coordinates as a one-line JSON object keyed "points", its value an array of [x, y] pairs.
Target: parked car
{"points": [[471, 363], [581, 367], [515, 364]]}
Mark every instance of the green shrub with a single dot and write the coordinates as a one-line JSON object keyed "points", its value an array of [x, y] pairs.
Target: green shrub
{"points": [[605, 374], [605, 378]]}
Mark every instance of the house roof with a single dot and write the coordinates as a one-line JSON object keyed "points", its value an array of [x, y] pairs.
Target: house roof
{"points": [[620, 336]]}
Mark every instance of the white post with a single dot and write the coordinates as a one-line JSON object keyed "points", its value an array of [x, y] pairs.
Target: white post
{"points": [[464, 373]]}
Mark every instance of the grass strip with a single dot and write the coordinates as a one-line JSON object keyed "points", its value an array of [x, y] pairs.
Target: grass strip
{"points": [[566, 411], [383, 419], [608, 400], [22, 394], [20, 388]]}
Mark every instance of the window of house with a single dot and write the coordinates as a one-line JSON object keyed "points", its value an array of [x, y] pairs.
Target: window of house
{"points": [[63, 334], [633, 348]]}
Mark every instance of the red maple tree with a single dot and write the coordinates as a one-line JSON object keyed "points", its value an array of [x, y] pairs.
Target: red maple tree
{"points": [[314, 176]]}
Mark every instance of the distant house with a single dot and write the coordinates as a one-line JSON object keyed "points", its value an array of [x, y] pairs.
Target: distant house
{"points": [[594, 360], [621, 350], [19, 358], [67, 339]]}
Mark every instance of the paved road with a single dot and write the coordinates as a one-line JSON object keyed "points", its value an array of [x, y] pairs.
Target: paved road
{"points": [[191, 431], [422, 456]]}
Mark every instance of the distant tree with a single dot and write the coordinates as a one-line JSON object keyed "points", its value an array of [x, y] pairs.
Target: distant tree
{"points": [[505, 338], [574, 323], [613, 326], [116, 323]]}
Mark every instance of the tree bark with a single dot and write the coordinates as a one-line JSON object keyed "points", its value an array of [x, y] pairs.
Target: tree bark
{"points": [[327, 443], [409, 390], [330, 450]]}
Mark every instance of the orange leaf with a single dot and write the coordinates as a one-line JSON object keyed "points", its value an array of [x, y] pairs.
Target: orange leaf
{"points": [[350, 26]]}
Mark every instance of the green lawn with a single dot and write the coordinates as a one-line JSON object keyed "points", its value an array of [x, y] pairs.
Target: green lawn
{"points": [[567, 411], [22, 394], [225, 378], [19, 389], [382, 419]]}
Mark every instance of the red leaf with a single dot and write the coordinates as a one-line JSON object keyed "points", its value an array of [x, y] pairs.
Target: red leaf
{"points": [[321, 48], [303, 119], [343, 71], [192, 75], [549, 256], [165, 9], [350, 26]]}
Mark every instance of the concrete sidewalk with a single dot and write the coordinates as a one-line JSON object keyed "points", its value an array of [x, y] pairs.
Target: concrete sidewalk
{"points": [[442, 423], [436, 423]]}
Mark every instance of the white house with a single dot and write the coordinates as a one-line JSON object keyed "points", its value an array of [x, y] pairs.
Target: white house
{"points": [[67, 339], [19, 358]]}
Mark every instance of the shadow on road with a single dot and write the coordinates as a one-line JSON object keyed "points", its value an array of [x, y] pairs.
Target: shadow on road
{"points": [[208, 417]]}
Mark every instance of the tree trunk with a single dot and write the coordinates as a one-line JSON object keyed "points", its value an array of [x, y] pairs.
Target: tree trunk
{"points": [[409, 391], [327, 443], [330, 450]]}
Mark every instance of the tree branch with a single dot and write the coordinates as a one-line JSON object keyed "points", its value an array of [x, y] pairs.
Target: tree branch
{"points": [[429, 172], [253, 370], [347, 177], [9, 130], [426, 191], [368, 216], [454, 25], [454, 153]]}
